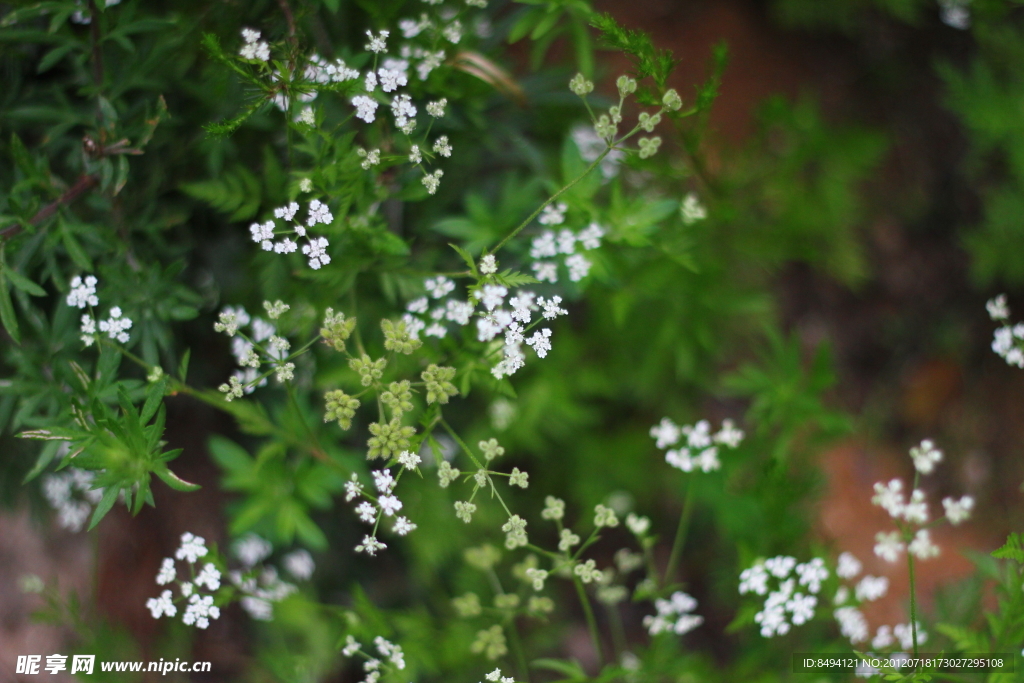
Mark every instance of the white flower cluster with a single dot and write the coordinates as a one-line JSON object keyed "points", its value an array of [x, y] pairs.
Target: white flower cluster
{"points": [[199, 608], [787, 600], [252, 348], [691, 210], [373, 508], [494, 319], [547, 247], [700, 451], [852, 623], [260, 585], [1008, 341], [83, 293], [60, 488], [496, 677], [914, 511], [590, 145], [390, 655], [253, 48], [674, 615], [315, 248]]}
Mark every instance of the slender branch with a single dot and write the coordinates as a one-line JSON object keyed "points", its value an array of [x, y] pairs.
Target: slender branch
{"points": [[588, 612], [913, 602], [81, 186], [680, 540], [289, 18]]}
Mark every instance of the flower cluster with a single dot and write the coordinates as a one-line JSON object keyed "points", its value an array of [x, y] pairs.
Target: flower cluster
{"points": [[315, 248], [199, 609], [254, 347], [700, 451], [787, 603], [852, 623], [60, 488], [82, 295], [911, 514], [431, 318], [674, 614], [691, 210], [547, 248], [389, 655], [261, 585], [373, 508], [1008, 340]]}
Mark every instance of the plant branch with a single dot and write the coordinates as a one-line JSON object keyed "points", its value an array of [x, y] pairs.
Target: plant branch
{"points": [[81, 186]]}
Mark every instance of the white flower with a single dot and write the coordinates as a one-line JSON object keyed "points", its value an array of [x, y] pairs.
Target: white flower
{"points": [[545, 271], [958, 510], [366, 512], [692, 210], [871, 588], [540, 342], [428, 62], [997, 308], [392, 79], [366, 108], [299, 564], [812, 574], [210, 577], [638, 525], [848, 566], [453, 32], [384, 481], [316, 250], [442, 147], [116, 326], [318, 213], [377, 43], [553, 214], [192, 548], [544, 245], [415, 156], [916, 511], [257, 608], [674, 615], [436, 109], [852, 624], [780, 566], [353, 489], [883, 638], [251, 549], [890, 497], [389, 505], [888, 546], [492, 296], [554, 508], [906, 635], [402, 526], [306, 116], [754, 580], [801, 607], [200, 610], [370, 546], [925, 456], [488, 264], [432, 181], [83, 292], [167, 572], [351, 646], [162, 605], [552, 308], [371, 158], [264, 234], [922, 546], [578, 265], [439, 286], [728, 434], [590, 237], [459, 312], [409, 460]]}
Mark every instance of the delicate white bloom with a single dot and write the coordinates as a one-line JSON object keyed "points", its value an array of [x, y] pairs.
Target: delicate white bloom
{"points": [[436, 109], [916, 511], [116, 326], [459, 312], [692, 210], [801, 608], [637, 524], [566, 242], [392, 79], [366, 108], [284, 373], [544, 245], [299, 564], [418, 305], [848, 567], [88, 330], [871, 588], [428, 62], [922, 546], [852, 624], [590, 237], [958, 510], [83, 292], [492, 296], [888, 546], [925, 456], [545, 271], [591, 146], [254, 48], [409, 460], [439, 286], [404, 112], [674, 615], [728, 434], [432, 181], [415, 156], [842, 595], [305, 185], [366, 512], [537, 577], [251, 549], [890, 497], [997, 308], [377, 43], [567, 540], [453, 32], [316, 250], [200, 610], [515, 532], [906, 635], [285, 246], [162, 605], [351, 646], [371, 158], [307, 116], [579, 267], [257, 608], [780, 566], [264, 234], [384, 481], [665, 433], [210, 577], [812, 574], [353, 489], [883, 638], [167, 572], [402, 526], [553, 214], [551, 307], [955, 13], [464, 510], [754, 580], [389, 505], [192, 548], [442, 147], [370, 546], [540, 342], [554, 508], [488, 264]]}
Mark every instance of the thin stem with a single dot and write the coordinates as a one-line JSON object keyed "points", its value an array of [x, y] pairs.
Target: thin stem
{"points": [[913, 602], [81, 186], [681, 530], [588, 612], [517, 648], [97, 47], [618, 631]]}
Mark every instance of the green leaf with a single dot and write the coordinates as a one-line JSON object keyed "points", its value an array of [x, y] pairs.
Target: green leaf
{"points": [[174, 481], [52, 57], [75, 250], [569, 668], [229, 454], [106, 502], [236, 192], [466, 256], [23, 283], [7, 316]]}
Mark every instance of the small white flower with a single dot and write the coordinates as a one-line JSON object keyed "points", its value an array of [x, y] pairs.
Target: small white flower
{"points": [[997, 308], [436, 109], [958, 511], [392, 79], [852, 624], [540, 342], [251, 549], [925, 456], [370, 545], [579, 267], [552, 307], [442, 147], [553, 214], [438, 287], [692, 210], [415, 156], [167, 572], [316, 250], [402, 526], [488, 264], [871, 588], [389, 505], [922, 546], [888, 546], [366, 108], [192, 548], [432, 181], [545, 271], [299, 564], [377, 43], [848, 567], [590, 237], [162, 605], [366, 512]]}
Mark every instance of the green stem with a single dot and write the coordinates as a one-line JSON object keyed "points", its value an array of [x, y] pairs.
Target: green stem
{"points": [[913, 602], [588, 612], [681, 530], [618, 631], [517, 648]]}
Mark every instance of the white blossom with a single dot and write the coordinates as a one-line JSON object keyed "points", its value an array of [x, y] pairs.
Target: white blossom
{"points": [[162, 605], [958, 511], [377, 43], [83, 292], [366, 108], [925, 456]]}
